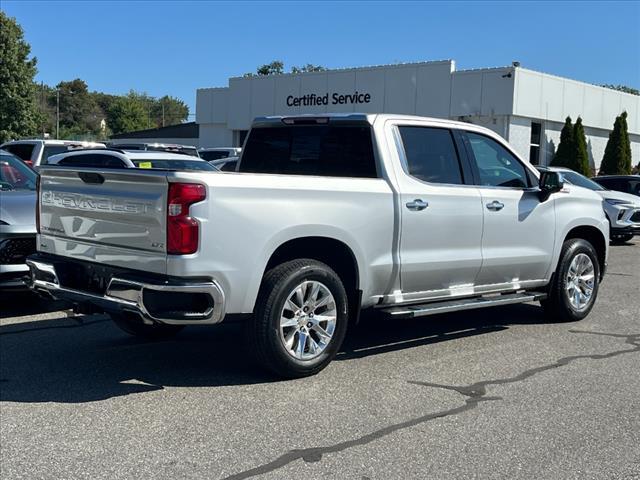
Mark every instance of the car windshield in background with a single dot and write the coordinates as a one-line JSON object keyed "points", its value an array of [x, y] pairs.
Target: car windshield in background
{"points": [[175, 165], [181, 150], [214, 155], [581, 181], [15, 175]]}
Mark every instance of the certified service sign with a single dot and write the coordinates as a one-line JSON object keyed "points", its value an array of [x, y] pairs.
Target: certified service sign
{"points": [[334, 98]]}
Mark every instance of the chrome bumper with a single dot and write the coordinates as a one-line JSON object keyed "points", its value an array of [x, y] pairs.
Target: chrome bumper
{"points": [[127, 295]]}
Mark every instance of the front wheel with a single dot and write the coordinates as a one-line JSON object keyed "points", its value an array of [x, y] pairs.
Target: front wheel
{"points": [[574, 288], [300, 319]]}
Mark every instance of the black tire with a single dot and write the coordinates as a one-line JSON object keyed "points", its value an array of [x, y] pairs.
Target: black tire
{"points": [[263, 330], [133, 325], [557, 306], [620, 239]]}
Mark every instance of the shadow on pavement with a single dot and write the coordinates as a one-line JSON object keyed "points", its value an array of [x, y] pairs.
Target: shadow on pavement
{"points": [[84, 359], [15, 303]]}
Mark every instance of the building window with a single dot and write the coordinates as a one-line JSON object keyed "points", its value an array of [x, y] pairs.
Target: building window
{"points": [[534, 147]]}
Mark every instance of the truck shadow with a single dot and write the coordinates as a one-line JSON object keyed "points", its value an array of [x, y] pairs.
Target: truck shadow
{"points": [[14, 303], [86, 359]]}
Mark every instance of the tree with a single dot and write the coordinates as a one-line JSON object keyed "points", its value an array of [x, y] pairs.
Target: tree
{"points": [[18, 110], [623, 88], [274, 68], [308, 68], [617, 153], [128, 113], [565, 150], [168, 111], [580, 155], [79, 110]]}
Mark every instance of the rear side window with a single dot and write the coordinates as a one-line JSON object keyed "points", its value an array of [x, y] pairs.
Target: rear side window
{"points": [[52, 150], [92, 161], [20, 150], [328, 150], [431, 155]]}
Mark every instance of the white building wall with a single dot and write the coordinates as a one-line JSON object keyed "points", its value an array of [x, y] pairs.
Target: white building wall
{"points": [[215, 135], [520, 135]]}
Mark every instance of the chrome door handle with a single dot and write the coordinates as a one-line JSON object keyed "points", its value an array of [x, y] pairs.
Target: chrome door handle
{"points": [[495, 206], [417, 205]]}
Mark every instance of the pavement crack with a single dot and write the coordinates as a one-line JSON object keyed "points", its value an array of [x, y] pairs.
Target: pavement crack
{"points": [[474, 393]]}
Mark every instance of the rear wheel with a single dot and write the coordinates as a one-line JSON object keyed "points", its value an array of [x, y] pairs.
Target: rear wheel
{"points": [[133, 325], [300, 318], [574, 288]]}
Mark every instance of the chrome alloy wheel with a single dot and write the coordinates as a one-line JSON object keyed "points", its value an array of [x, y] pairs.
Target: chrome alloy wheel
{"points": [[308, 320], [580, 281]]}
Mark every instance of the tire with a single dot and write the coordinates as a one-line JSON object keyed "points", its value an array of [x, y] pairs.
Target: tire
{"points": [[577, 254], [296, 343], [620, 239], [133, 325]]}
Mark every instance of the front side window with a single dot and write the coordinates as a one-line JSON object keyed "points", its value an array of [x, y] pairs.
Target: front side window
{"points": [[431, 155], [214, 155], [497, 166], [15, 175]]}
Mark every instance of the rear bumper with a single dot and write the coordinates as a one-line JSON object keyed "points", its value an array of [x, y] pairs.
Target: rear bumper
{"points": [[155, 299]]}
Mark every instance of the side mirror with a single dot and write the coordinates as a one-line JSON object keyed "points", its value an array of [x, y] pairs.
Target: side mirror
{"points": [[550, 182]]}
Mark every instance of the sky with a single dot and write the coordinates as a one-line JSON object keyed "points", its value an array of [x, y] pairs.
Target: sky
{"points": [[173, 48]]}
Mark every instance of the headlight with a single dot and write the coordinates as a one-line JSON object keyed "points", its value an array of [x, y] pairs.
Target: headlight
{"points": [[612, 201]]}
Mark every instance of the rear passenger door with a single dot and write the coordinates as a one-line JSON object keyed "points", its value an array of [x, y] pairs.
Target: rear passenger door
{"points": [[519, 230], [441, 216]]}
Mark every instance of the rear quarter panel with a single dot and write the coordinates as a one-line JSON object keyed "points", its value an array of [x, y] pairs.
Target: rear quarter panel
{"points": [[248, 216]]}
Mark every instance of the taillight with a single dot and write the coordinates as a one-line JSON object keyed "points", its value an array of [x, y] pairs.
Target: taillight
{"points": [[38, 203], [182, 230]]}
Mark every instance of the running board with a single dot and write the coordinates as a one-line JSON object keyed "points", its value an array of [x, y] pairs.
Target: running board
{"points": [[411, 311]]}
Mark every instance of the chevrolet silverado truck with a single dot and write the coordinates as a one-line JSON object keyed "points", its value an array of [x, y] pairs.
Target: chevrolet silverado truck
{"points": [[326, 215]]}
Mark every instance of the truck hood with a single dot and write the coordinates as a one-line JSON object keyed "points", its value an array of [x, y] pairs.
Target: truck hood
{"points": [[18, 207], [614, 195]]}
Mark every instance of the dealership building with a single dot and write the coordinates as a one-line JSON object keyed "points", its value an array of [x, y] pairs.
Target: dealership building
{"points": [[526, 107]]}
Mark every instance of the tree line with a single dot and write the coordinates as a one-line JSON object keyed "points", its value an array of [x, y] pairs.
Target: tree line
{"points": [[572, 150], [68, 110]]}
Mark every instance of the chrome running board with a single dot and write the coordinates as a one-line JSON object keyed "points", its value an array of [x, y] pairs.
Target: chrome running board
{"points": [[432, 308]]}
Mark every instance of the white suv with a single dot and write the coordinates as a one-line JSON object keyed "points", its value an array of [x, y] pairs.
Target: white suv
{"points": [[36, 152]]}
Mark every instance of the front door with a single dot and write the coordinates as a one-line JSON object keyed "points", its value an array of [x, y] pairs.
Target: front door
{"points": [[519, 229]]}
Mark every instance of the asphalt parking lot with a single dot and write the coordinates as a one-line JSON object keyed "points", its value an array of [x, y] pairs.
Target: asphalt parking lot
{"points": [[496, 393]]}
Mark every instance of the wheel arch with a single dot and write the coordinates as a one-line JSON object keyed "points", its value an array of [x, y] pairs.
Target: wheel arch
{"points": [[595, 237]]}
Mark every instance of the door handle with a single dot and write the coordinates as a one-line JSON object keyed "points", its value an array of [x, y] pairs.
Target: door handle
{"points": [[417, 205], [495, 206]]}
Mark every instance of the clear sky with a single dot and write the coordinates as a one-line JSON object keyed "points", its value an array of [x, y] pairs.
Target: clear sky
{"points": [[169, 47]]}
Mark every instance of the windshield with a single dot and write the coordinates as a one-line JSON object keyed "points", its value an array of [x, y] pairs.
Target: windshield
{"points": [[191, 151], [14, 174], [175, 164], [581, 181]]}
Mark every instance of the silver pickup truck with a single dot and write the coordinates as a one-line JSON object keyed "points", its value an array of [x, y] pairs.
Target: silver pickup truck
{"points": [[325, 216]]}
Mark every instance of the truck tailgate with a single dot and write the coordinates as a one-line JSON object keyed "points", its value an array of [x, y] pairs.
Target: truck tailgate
{"points": [[115, 217]]}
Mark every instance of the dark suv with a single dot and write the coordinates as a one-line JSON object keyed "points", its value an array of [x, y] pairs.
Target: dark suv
{"points": [[621, 183]]}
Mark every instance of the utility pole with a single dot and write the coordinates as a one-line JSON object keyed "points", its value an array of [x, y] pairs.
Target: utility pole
{"points": [[43, 107], [57, 113], [163, 114]]}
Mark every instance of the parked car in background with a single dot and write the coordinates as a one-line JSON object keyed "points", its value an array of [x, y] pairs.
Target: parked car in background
{"points": [[17, 219], [156, 147], [620, 183], [332, 213], [218, 153], [111, 158], [36, 152], [228, 164], [622, 209]]}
